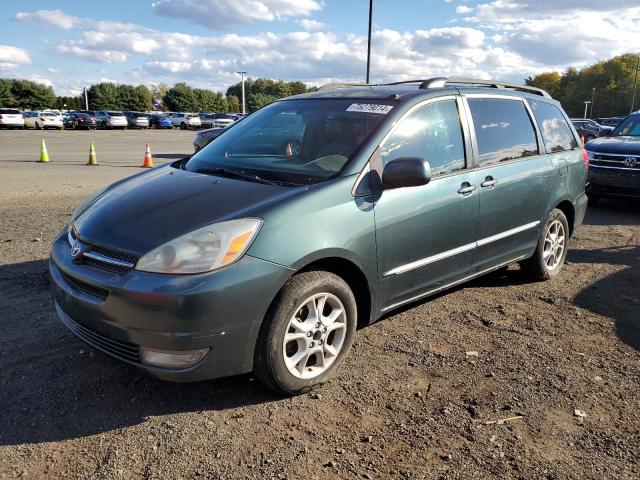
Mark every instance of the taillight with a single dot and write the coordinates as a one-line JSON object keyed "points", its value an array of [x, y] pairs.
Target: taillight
{"points": [[585, 158]]}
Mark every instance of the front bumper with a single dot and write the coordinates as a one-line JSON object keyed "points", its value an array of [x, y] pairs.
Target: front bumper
{"points": [[616, 182], [119, 313]]}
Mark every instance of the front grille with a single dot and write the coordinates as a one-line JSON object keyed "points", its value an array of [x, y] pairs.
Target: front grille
{"points": [[106, 259], [122, 350], [617, 161], [92, 290]]}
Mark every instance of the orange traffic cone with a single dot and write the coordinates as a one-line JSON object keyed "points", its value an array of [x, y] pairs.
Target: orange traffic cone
{"points": [[148, 160]]}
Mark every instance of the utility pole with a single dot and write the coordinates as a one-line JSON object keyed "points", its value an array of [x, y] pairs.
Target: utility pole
{"points": [[586, 106], [635, 84], [244, 108], [593, 94], [369, 39], [86, 99]]}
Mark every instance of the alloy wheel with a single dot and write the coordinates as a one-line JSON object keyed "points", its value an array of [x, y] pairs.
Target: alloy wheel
{"points": [[554, 245], [314, 336]]}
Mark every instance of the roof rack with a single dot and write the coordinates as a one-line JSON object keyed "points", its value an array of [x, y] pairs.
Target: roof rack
{"points": [[439, 82], [329, 86]]}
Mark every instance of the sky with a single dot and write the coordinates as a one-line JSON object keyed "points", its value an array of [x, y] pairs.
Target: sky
{"points": [[69, 44]]}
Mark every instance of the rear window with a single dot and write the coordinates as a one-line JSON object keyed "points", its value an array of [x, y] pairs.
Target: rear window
{"points": [[9, 111], [556, 134], [223, 115], [48, 114], [140, 115], [115, 114], [503, 129]]}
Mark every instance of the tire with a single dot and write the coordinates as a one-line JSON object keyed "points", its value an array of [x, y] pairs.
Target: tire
{"points": [[292, 300], [538, 267], [104, 125], [183, 126], [593, 199], [38, 127]]}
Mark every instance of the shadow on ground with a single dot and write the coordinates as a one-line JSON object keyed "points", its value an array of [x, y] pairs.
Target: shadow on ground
{"points": [[54, 387]]}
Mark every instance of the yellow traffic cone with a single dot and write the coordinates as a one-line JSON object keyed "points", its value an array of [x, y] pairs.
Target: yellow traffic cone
{"points": [[44, 155], [148, 159], [92, 155]]}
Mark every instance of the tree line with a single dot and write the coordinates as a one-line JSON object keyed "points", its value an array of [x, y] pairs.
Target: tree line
{"points": [[30, 95], [609, 83]]}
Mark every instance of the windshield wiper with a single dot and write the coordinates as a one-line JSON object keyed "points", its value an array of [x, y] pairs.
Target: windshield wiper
{"points": [[223, 172]]}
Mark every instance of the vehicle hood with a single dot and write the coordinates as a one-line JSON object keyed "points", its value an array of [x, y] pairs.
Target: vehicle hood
{"points": [[147, 210], [619, 145]]}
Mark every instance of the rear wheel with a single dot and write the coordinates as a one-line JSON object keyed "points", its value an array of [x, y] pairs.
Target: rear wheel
{"points": [[548, 259], [306, 334], [183, 126]]}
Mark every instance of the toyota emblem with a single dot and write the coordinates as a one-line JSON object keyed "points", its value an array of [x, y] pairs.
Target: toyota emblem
{"points": [[76, 249], [630, 162]]}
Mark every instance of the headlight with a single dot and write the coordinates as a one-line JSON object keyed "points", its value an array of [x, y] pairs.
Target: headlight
{"points": [[202, 250]]}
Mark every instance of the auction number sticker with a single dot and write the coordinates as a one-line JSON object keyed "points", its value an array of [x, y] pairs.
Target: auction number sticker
{"points": [[370, 108]]}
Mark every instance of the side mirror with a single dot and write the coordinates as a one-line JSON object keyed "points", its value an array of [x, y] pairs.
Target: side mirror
{"points": [[406, 172]]}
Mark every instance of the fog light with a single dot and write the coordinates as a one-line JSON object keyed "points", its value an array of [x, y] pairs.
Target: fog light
{"points": [[172, 359]]}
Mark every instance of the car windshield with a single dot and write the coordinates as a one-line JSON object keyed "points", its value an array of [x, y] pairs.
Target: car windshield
{"points": [[294, 141], [630, 126]]}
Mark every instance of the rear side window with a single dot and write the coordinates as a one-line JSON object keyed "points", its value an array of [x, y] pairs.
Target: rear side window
{"points": [[503, 130], [432, 132], [556, 134]]}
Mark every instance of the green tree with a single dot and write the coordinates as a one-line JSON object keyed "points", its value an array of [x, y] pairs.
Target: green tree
{"points": [[233, 103], [104, 96], [27, 95], [181, 98], [259, 100], [549, 81], [6, 97], [70, 103]]}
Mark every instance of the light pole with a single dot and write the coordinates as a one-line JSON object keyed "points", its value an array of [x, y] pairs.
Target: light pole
{"points": [[635, 84], [593, 94], [86, 99], [369, 39], [586, 106], [244, 108]]}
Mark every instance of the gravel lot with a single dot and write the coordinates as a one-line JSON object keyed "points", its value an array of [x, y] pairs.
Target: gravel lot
{"points": [[412, 400]]}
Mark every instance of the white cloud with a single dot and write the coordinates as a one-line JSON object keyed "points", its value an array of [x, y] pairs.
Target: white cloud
{"points": [[223, 14], [56, 18], [106, 56], [463, 9], [12, 57], [311, 25]]}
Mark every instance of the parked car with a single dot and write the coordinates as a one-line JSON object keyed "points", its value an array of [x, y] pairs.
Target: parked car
{"points": [[589, 124], [204, 137], [258, 254], [11, 118], [80, 120], [222, 120], [185, 120], [206, 120], [610, 122], [137, 119], [160, 120], [614, 162], [43, 120], [111, 119], [585, 131]]}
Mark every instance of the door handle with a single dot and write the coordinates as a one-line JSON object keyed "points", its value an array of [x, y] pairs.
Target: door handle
{"points": [[488, 182], [466, 188]]}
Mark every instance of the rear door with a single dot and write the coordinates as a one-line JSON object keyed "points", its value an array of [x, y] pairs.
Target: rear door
{"points": [[513, 176], [425, 235]]}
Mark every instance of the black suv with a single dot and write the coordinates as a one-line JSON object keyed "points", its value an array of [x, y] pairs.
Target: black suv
{"points": [[614, 168]]}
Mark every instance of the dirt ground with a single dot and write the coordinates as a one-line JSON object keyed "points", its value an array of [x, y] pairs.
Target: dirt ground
{"points": [[412, 401]]}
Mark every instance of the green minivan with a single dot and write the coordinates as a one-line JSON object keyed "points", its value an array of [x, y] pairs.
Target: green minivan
{"points": [[317, 214]]}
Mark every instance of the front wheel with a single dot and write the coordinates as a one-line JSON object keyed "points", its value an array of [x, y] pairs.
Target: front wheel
{"points": [[548, 259], [306, 333]]}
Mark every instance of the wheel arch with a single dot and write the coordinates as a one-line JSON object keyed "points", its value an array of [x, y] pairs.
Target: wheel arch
{"points": [[566, 207]]}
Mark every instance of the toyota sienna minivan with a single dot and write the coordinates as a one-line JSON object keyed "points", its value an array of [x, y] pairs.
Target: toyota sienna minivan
{"points": [[317, 214]]}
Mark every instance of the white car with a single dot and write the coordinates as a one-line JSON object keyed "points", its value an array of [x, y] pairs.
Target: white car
{"points": [[43, 120], [12, 118], [111, 119], [185, 120]]}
